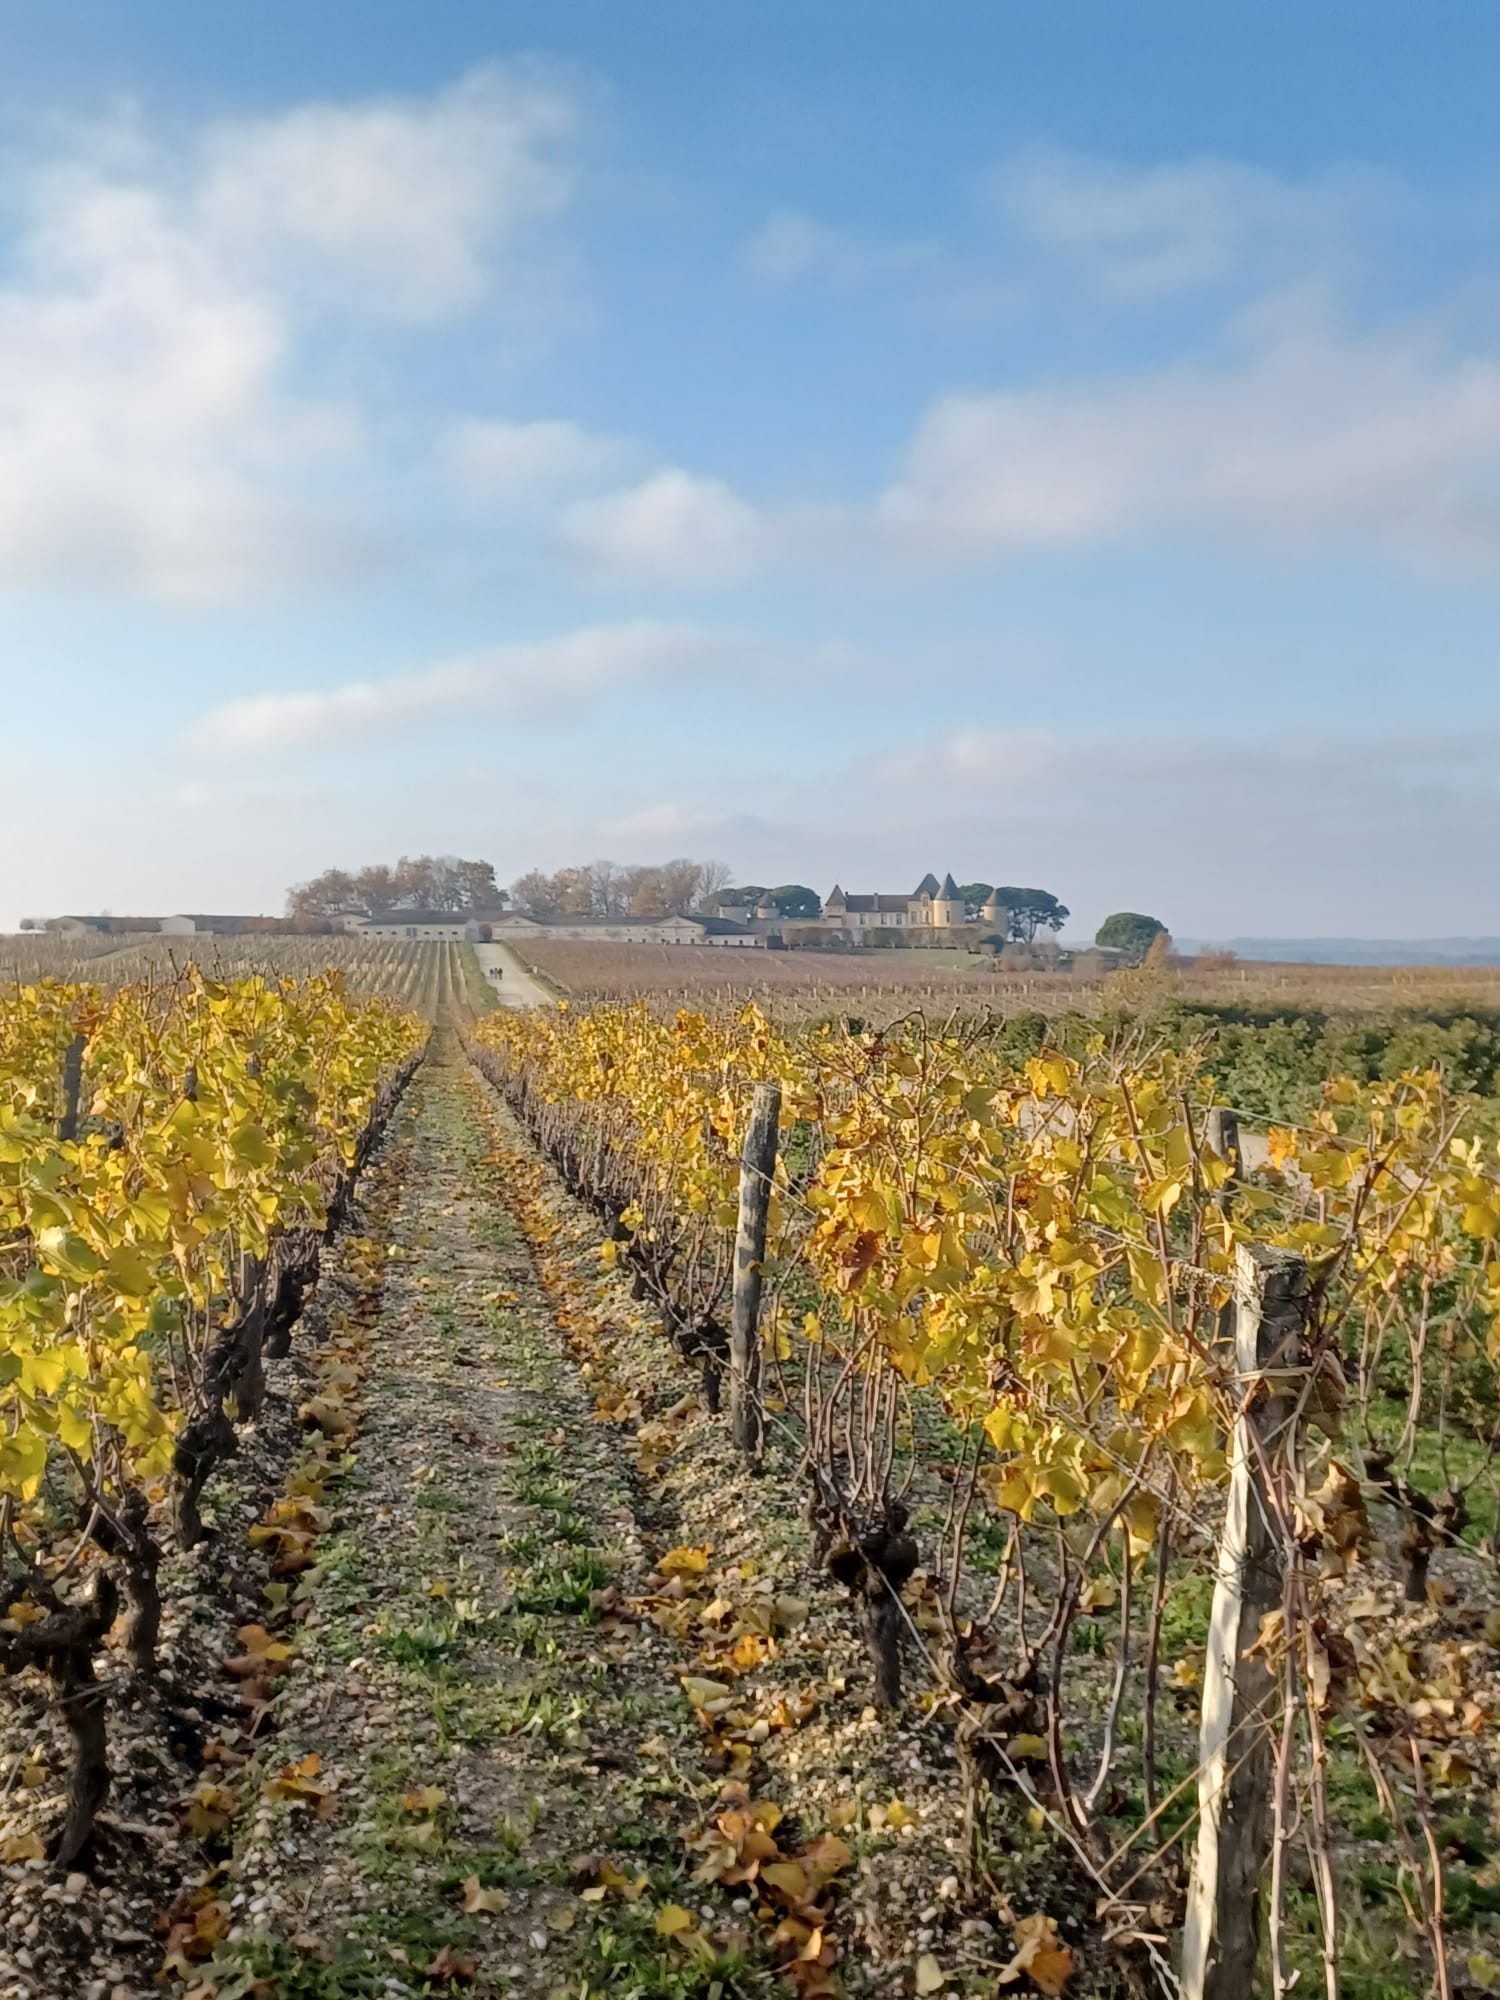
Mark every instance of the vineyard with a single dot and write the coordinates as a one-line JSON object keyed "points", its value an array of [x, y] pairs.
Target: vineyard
{"points": [[425, 976], [787, 983], [806, 984], [709, 1503], [1138, 1467]]}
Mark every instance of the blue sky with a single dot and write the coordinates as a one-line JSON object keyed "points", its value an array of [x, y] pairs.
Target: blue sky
{"points": [[1057, 443]]}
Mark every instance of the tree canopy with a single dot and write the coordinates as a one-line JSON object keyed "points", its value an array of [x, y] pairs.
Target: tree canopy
{"points": [[416, 882], [1030, 911], [1129, 932], [795, 899], [605, 889]]}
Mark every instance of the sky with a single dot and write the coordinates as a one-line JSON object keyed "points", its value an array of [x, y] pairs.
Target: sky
{"points": [[1054, 442]]}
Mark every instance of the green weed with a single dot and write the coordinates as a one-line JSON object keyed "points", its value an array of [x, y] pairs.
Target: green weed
{"points": [[561, 1591], [425, 1646]]}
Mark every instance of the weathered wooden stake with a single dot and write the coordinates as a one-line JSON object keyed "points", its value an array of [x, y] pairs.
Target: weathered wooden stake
{"points": [[1221, 1133], [757, 1170], [1221, 1937], [67, 1125]]}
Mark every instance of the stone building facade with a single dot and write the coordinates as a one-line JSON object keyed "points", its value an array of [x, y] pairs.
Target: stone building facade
{"points": [[931, 906]]}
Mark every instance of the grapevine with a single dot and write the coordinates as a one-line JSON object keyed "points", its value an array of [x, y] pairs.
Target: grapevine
{"points": [[1011, 1281], [152, 1235]]}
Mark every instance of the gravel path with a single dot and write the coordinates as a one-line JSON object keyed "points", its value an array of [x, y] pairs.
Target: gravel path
{"points": [[513, 984], [476, 1731]]}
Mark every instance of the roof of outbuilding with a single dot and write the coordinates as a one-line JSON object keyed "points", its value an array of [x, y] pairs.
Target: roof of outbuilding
{"points": [[113, 923], [617, 923]]}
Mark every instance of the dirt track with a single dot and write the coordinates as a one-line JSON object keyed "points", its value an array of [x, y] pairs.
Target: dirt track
{"points": [[515, 986]]}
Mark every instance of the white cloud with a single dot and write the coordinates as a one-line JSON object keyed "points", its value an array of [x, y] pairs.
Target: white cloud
{"points": [[1301, 437], [518, 461], [395, 205], [673, 820], [976, 756], [674, 527], [544, 678], [143, 425], [152, 308], [1310, 437], [788, 245], [1147, 230], [1128, 229], [791, 245]]}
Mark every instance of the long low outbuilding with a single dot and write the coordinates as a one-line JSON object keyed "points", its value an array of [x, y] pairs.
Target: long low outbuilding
{"points": [[481, 926], [173, 926]]}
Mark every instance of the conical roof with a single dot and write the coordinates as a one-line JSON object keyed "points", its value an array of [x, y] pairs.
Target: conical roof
{"points": [[949, 891], [928, 886]]}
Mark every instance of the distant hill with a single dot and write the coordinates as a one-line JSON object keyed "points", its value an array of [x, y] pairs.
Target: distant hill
{"points": [[1356, 951]]}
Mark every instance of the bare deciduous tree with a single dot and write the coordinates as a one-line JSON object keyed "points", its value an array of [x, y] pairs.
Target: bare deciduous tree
{"points": [[604, 889], [421, 881]]}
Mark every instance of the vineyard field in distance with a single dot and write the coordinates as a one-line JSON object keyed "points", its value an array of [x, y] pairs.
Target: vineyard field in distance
{"points": [[423, 974], [801, 983]]}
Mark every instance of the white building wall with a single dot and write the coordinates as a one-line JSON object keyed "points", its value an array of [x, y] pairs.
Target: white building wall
{"points": [[393, 929]]}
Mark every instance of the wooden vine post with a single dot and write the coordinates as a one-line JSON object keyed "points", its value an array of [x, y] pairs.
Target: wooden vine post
{"points": [[757, 1172], [1222, 1136], [72, 1088], [1221, 1936]]}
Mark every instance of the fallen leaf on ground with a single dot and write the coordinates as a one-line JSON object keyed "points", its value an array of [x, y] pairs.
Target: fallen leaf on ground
{"points": [[480, 1902], [451, 1963], [684, 1562], [701, 1692], [1047, 1963]]}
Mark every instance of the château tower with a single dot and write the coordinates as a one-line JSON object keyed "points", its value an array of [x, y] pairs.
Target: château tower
{"points": [[947, 905]]}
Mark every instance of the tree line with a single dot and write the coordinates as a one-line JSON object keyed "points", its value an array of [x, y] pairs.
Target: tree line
{"points": [[448, 883], [681, 887], [416, 882], [677, 888]]}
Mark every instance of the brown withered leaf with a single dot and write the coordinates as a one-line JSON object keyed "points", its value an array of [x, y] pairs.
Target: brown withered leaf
{"points": [[451, 1963], [481, 1902]]}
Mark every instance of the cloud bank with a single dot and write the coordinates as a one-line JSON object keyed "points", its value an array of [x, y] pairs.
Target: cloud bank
{"points": [[545, 680], [155, 437], [674, 527], [1304, 438], [1145, 231]]}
